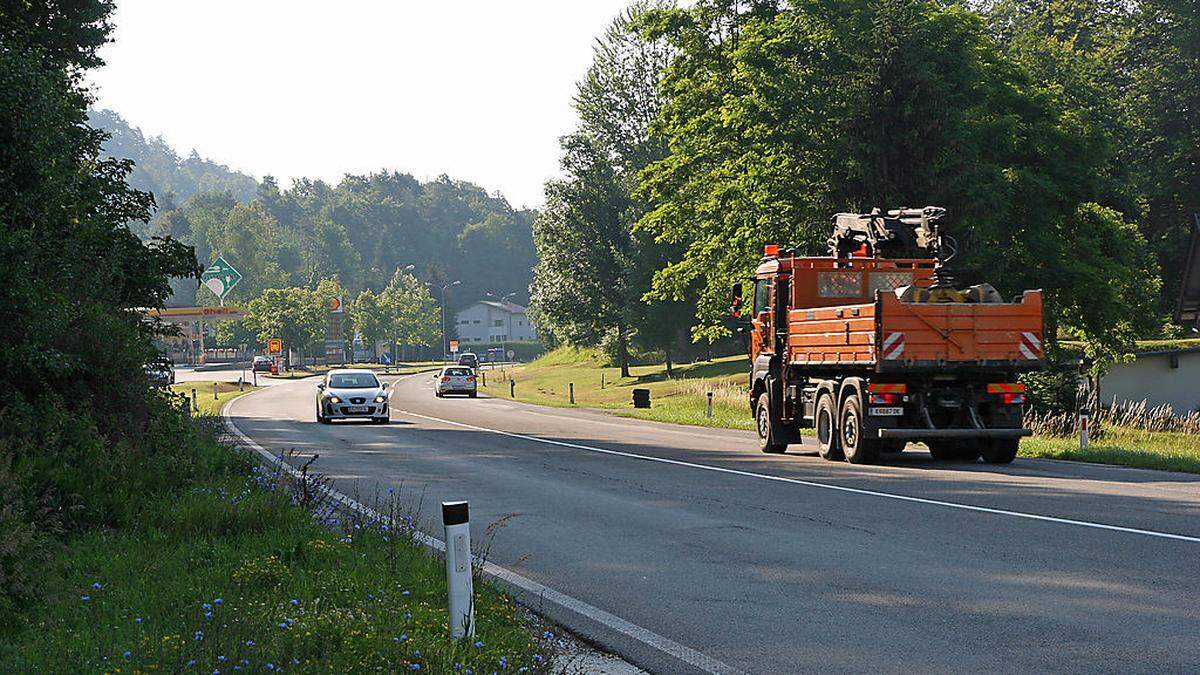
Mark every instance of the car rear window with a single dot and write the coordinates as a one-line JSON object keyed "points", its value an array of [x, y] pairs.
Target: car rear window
{"points": [[353, 381], [458, 371]]}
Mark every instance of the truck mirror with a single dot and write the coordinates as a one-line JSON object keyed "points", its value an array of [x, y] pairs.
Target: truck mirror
{"points": [[735, 301]]}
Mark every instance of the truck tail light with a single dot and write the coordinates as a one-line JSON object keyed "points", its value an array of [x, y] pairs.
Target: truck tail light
{"points": [[1014, 399], [885, 399], [887, 388], [1005, 388]]}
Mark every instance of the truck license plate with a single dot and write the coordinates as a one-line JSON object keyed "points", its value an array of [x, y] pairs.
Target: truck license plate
{"points": [[887, 412]]}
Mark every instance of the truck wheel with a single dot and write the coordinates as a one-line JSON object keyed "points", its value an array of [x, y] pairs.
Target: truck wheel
{"points": [[768, 433], [857, 447], [826, 428], [953, 451], [1000, 450]]}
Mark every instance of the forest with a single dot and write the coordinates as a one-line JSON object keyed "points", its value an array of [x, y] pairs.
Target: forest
{"points": [[1062, 135]]}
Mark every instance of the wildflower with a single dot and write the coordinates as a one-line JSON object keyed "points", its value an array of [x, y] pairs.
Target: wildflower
{"points": [[270, 666], [282, 626], [199, 635], [85, 598], [370, 596], [537, 658], [97, 586], [138, 620], [205, 606], [221, 658], [249, 643], [190, 663], [245, 662], [414, 666], [295, 662], [458, 666], [404, 593], [417, 653], [503, 662], [208, 615], [479, 643], [218, 601], [408, 615], [295, 602], [547, 635], [127, 653]]}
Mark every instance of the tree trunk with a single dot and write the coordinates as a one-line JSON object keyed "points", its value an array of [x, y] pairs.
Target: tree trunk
{"points": [[622, 350], [670, 372]]}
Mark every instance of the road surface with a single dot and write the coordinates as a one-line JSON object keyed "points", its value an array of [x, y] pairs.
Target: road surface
{"points": [[789, 563]]}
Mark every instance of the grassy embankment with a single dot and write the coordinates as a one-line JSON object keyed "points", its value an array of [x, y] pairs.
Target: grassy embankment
{"points": [[681, 400], [396, 369], [230, 575]]}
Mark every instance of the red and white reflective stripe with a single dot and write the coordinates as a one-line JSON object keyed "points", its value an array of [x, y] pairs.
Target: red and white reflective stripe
{"points": [[893, 346], [1031, 346]]}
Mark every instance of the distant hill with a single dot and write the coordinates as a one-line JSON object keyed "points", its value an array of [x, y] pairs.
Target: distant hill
{"points": [[160, 171]]}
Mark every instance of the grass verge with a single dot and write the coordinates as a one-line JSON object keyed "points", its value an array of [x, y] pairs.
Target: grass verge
{"points": [[231, 575], [208, 405], [681, 399], [397, 369]]}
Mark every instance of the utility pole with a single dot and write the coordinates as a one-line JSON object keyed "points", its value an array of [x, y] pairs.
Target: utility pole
{"points": [[445, 335]]}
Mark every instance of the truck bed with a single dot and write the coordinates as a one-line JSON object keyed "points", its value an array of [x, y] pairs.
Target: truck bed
{"points": [[891, 335]]}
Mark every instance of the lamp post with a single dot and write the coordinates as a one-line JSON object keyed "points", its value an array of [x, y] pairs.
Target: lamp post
{"points": [[445, 341]]}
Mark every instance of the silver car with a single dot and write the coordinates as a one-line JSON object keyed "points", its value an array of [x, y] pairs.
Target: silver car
{"points": [[350, 394], [455, 380]]}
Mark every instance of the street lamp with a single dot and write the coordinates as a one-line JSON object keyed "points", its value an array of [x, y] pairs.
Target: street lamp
{"points": [[445, 341]]}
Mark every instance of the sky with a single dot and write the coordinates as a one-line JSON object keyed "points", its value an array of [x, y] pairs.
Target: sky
{"points": [[478, 90]]}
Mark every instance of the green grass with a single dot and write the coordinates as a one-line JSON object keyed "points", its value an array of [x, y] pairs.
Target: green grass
{"points": [[397, 369], [226, 392], [681, 400], [1169, 451], [231, 569]]}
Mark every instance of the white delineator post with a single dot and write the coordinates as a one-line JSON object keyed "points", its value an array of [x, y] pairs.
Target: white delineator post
{"points": [[571, 386], [1083, 430], [708, 407], [456, 519]]}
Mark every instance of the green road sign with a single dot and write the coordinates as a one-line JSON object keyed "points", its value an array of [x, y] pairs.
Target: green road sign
{"points": [[220, 278]]}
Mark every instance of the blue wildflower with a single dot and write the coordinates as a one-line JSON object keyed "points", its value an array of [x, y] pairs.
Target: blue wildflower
{"points": [[282, 626], [97, 586], [503, 662], [221, 658], [295, 602], [85, 598], [479, 643], [537, 658], [199, 635], [270, 666], [404, 593], [458, 666], [138, 620], [208, 615], [190, 663], [205, 606], [414, 666], [249, 643], [127, 653], [218, 601]]}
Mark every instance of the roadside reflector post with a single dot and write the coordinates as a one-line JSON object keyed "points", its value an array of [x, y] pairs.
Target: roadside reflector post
{"points": [[241, 383], [571, 389], [456, 521], [1083, 430], [512, 388], [483, 374], [602, 379], [195, 406], [214, 391], [255, 377], [708, 405]]}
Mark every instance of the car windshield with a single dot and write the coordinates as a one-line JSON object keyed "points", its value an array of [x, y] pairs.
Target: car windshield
{"points": [[353, 381], [458, 371]]}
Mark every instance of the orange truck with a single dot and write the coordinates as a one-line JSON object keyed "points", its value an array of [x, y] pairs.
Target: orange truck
{"points": [[873, 347]]}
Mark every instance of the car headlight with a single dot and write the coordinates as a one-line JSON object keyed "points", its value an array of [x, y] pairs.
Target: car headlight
{"points": [[334, 399], [380, 398]]}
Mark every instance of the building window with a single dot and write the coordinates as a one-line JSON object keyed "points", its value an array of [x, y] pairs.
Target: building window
{"points": [[498, 323], [520, 322], [476, 321]]}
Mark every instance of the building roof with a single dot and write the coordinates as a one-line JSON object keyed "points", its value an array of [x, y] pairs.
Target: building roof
{"points": [[510, 307]]}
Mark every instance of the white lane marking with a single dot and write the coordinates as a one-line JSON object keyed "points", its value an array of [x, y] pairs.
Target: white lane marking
{"points": [[826, 486], [543, 593]]}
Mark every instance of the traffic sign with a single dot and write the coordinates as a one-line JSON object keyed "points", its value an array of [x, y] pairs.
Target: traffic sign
{"points": [[454, 346], [511, 354], [220, 278], [335, 304], [274, 346]]}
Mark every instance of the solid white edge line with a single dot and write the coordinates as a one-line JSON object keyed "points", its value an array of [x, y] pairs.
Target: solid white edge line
{"points": [[544, 593], [815, 484]]}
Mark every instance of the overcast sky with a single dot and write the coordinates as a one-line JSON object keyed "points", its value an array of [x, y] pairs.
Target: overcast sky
{"points": [[479, 90]]}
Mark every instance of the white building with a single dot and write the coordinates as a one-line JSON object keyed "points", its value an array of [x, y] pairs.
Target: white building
{"points": [[1158, 377], [493, 321]]}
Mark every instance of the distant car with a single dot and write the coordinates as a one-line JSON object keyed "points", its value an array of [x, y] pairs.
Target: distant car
{"points": [[262, 364], [160, 372], [455, 380], [468, 359], [352, 393]]}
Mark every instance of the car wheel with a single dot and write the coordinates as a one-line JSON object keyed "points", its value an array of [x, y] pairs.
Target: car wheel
{"points": [[321, 419], [380, 420]]}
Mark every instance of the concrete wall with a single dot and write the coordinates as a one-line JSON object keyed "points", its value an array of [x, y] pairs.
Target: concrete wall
{"points": [[487, 323], [1152, 378]]}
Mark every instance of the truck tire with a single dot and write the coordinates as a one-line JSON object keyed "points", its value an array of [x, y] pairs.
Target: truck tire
{"points": [[954, 451], [1000, 450], [825, 426], [855, 445], [768, 427]]}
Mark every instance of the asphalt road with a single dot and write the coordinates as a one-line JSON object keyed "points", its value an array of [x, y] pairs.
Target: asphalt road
{"points": [[789, 563]]}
